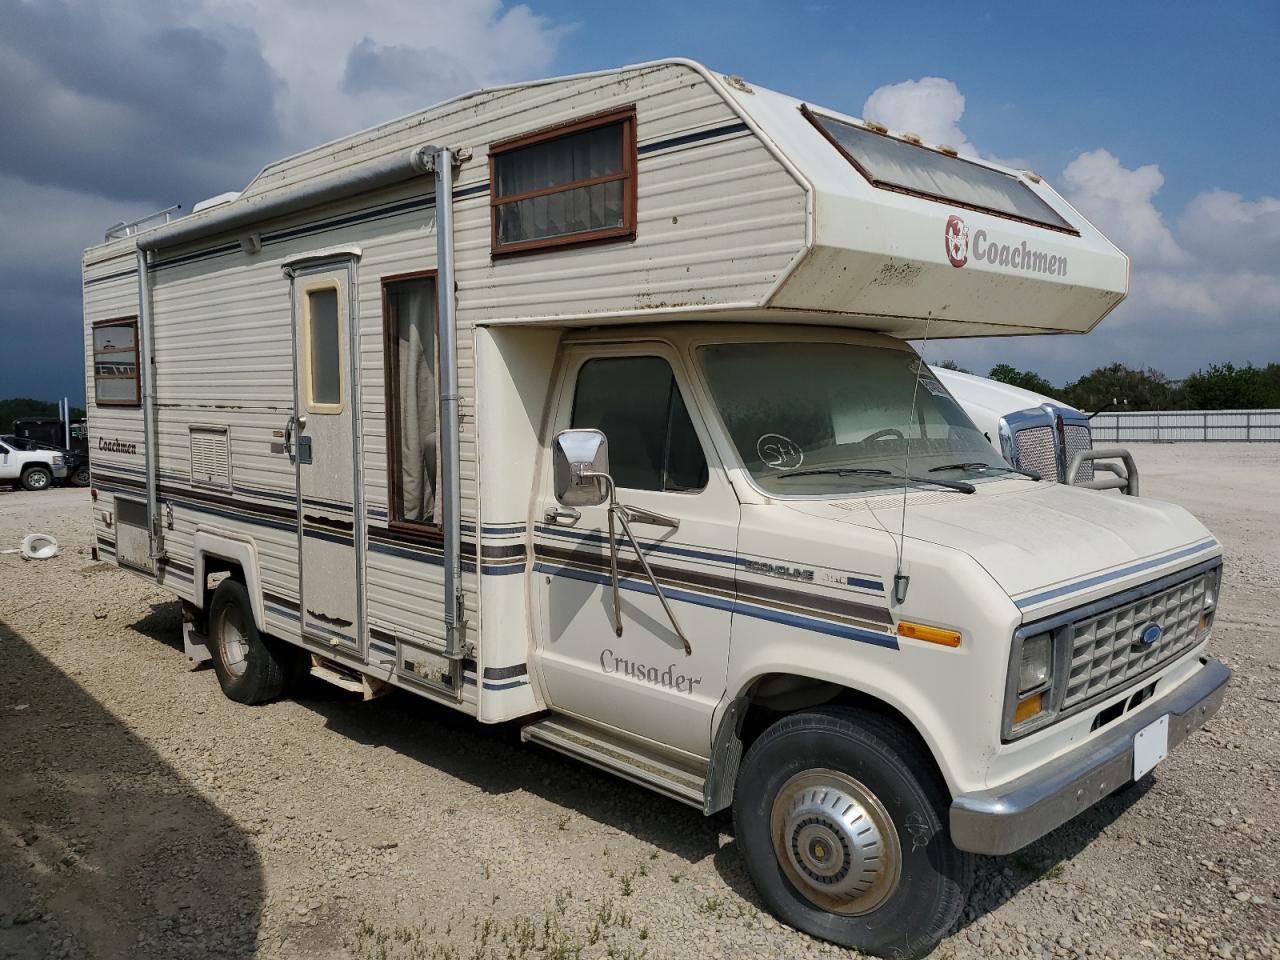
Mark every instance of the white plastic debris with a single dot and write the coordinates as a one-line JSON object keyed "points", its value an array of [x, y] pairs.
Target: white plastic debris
{"points": [[36, 546]]}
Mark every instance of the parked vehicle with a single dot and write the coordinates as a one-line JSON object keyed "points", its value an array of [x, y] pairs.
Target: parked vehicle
{"points": [[588, 403], [54, 432], [77, 464], [30, 469]]}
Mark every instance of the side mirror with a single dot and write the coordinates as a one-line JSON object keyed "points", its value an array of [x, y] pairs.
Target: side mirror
{"points": [[580, 459]]}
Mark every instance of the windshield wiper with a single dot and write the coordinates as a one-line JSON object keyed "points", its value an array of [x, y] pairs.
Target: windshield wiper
{"points": [[958, 485], [980, 466]]}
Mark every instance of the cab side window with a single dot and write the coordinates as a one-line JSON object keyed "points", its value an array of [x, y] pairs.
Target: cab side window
{"points": [[635, 402]]}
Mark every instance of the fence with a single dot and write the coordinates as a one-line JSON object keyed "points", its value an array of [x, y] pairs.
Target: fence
{"points": [[1173, 425]]}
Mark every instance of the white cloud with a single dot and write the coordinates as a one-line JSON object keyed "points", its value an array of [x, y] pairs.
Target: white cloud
{"points": [[1222, 225], [1119, 203], [931, 107]]}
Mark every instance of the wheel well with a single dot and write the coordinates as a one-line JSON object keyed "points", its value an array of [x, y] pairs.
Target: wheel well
{"points": [[776, 695], [217, 569]]}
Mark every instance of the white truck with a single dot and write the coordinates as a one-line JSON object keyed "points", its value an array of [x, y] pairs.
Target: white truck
{"points": [[30, 469], [587, 403]]}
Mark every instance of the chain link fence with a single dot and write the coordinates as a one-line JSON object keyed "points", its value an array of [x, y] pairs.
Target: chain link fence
{"points": [[1157, 426]]}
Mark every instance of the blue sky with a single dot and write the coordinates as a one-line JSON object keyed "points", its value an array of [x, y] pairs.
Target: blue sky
{"points": [[1159, 121]]}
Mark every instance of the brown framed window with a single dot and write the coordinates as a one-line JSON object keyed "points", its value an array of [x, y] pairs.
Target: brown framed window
{"points": [[911, 168], [115, 363], [569, 184], [413, 402]]}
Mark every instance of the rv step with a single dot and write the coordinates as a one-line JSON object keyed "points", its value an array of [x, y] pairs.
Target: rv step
{"points": [[368, 687], [626, 758]]}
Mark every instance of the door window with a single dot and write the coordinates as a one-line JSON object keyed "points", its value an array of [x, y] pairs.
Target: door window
{"points": [[413, 467], [324, 351], [636, 404]]}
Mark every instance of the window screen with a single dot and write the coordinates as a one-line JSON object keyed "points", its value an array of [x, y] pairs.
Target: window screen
{"points": [[898, 165], [635, 403], [325, 348], [115, 363], [412, 424], [569, 185]]}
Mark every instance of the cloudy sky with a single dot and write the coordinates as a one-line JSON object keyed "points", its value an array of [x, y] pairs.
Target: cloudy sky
{"points": [[1157, 120]]}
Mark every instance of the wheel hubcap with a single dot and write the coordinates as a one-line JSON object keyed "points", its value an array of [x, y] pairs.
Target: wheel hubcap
{"points": [[836, 842], [232, 643]]}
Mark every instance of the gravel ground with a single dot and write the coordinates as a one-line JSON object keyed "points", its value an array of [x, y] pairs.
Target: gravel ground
{"points": [[144, 815]]}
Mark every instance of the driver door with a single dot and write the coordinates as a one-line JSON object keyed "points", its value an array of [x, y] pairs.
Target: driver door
{"points": [[661, 460]]}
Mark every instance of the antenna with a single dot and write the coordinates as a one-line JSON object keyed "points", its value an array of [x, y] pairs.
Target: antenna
{"points": [[901, 580]]}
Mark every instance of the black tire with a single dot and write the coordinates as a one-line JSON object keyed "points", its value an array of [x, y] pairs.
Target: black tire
{"points": [[80, 477], [251, 668], [889, 763], [37, 478]]}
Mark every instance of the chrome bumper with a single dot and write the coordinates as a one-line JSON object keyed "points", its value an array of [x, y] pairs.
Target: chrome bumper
{"points": [[1016, 813]]}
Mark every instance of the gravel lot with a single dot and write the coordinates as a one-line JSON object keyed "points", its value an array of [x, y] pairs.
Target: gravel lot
{"points": [[144, 815]]}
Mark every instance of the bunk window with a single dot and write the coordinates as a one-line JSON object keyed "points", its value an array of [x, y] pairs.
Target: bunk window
{"points": [[636, 404], [921, 171], [409, 330], [115, 363], [574, 183], [324, 351]]}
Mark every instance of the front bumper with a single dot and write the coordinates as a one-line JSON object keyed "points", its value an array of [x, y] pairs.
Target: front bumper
{"points": [[1014, 814]]}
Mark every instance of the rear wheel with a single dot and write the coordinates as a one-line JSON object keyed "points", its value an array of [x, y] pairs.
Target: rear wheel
{"points": [[250, 668], [36, 478], [80, 478], [841, 818]]}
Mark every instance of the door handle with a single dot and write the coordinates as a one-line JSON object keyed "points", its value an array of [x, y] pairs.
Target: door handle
{"points": [[565, 516]]}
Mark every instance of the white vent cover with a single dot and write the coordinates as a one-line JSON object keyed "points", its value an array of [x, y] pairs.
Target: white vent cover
{"points": [[210, 457]]}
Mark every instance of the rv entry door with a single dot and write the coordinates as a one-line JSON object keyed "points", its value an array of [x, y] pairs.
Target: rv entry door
{"points": [[321, 440]]}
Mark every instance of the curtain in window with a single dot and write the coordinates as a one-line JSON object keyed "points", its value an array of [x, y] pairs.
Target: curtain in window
{"points": [[413, 306]]}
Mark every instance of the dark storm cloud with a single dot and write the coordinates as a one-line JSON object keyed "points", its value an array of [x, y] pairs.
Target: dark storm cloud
{"points": [[125, 101]]}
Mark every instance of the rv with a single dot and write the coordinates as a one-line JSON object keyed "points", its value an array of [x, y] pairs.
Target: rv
{"points": [[588, 404]]}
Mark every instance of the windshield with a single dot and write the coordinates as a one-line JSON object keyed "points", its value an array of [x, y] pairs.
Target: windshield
{"points": [[831, 419]]}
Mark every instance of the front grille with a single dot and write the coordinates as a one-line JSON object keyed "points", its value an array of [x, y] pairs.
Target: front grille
{"points": [[1077, 439], [1106, 649], [1034, 449]]}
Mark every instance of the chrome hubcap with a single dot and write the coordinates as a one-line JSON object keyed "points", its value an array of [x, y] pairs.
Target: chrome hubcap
{"points": [[836, 842], [232, 643]]}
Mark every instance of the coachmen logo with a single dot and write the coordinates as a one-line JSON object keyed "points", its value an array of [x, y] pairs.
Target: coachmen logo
{"points": [[1019, 256], [957, 236]]}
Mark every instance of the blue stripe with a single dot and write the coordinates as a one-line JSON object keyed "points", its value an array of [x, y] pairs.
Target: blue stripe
{"points": [[687, 138], [505, 686], [868, 584], [383, 647], [503, 571], [732, 606], [504, 531], [329, 537], [1101, 578], [321, 628], [283, 611]]}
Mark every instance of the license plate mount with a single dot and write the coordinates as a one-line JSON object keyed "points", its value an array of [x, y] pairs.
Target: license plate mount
{"points": [[1150, 746]]}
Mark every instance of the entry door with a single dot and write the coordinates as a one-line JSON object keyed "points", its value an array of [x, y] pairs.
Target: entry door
{"points": [[642, 682], [324, 449]]}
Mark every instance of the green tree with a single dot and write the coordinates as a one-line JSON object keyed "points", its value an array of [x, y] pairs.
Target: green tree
{"points": [[1118, 385], [952, 365], [1228, 387], [1026, 379]]}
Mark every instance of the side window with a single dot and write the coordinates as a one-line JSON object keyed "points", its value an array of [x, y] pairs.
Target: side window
{"points": [[324, 351], [573, 183], [635, 402], [115, 363], [409, 319]]}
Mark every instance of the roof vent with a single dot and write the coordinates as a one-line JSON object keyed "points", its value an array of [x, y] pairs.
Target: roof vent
{"points": [[217, 201]]}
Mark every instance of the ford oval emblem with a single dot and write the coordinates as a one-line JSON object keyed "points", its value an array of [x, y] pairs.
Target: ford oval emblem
{"points": [[1150, 635]]}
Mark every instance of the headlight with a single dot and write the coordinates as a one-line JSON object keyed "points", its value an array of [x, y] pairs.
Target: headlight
{"points": [[57, 460], [1036, 665]]}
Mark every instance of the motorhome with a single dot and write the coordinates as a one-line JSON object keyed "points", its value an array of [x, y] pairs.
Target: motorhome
{"points": [[588, 404]]}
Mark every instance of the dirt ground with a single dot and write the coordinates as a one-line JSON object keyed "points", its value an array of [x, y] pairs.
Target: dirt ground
{"points": [[144, 815]]}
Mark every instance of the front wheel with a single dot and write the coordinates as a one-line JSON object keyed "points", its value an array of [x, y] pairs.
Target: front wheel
{"points": [[36, 478], [841, 818]]}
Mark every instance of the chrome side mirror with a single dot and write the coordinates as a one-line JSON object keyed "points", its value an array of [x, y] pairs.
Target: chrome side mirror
{"points": [[580, 461]]}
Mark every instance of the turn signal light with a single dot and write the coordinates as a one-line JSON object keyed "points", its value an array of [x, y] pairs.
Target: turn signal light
{"points": [[1028, 708], [920, 631]]}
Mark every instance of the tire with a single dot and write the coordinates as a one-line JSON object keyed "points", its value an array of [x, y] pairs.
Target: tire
{"points": [[251, 668], [788, 798], [36, 478], [80, 478]]}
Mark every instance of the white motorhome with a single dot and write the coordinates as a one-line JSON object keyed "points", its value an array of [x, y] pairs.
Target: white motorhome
{"points": [[586, 403]]}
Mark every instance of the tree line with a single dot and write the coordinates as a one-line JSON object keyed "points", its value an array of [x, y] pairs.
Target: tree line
{"points": [[1219, 386], [19, 407]]}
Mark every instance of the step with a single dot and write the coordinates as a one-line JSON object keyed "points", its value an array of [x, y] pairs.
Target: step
{"points": [[613, 752]]}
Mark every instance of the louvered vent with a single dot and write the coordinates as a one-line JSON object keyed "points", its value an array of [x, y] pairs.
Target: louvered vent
{"points": [[210, 457]]}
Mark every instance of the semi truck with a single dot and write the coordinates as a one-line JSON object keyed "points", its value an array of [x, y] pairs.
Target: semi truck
{"points": [[589, 404]]}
